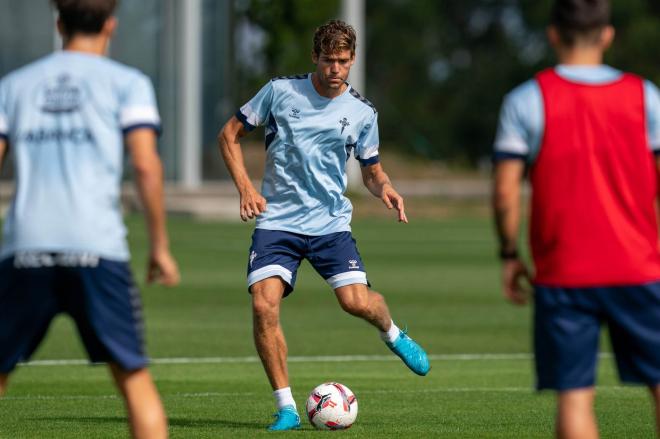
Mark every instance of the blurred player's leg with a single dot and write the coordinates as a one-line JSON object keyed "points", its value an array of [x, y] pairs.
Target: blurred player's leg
{"points": [[145, 410], [3, 383], [655, 393], [575, 415]]}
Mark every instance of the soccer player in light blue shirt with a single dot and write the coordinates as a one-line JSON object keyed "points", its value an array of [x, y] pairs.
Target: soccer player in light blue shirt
{"points": [[314, 122], [66, 118]]}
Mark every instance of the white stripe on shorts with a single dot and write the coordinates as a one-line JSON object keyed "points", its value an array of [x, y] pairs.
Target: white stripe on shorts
{"points": [[269, 271], [347, 278]]}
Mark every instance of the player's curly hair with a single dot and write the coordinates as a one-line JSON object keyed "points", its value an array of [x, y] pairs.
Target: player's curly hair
{"points": [[333, 37], [580, 20], [84, 16]]}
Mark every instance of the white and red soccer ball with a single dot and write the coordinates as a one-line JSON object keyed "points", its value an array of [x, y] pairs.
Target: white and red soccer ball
{"points": [[332, 406]]}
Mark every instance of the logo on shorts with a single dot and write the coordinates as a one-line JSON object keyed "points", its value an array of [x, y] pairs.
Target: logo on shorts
{"points": [[344, 123], [353, 265], [295, 113], [253, 255]]}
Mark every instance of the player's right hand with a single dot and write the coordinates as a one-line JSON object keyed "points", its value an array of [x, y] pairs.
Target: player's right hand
{"points": [[516, 281], [163, 269], [252, 204]]}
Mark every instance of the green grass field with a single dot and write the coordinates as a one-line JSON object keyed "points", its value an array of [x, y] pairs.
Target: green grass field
{"points": [[441, 280]]}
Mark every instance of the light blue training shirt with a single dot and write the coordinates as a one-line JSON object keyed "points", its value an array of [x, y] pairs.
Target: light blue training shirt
{"points": [[64, 117], [309, 139], [522, 120]]}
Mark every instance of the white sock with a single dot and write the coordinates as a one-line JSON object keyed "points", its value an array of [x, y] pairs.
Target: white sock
{"points": [[284, 397], [391, 334]]}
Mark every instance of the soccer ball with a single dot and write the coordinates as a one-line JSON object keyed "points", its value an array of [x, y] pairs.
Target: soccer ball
{"points": [[332, 406]]}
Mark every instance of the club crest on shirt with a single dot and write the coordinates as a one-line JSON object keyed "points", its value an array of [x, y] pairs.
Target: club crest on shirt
{"points": [[295, 113], [344, 123]]}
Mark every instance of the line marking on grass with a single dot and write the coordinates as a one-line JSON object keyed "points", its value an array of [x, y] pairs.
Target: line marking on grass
{"points": [[529, 390], [305, 359]]}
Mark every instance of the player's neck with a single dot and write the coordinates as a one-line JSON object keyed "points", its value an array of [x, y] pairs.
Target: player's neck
{"points": [[94, 44], [327, 92], [580, 56]]}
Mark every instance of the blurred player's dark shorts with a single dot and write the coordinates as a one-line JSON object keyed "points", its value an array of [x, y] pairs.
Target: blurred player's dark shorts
{"points": [[98, 294], [334, 256], [567, 324]]}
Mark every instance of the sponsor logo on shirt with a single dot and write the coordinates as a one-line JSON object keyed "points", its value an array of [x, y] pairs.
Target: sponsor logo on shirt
{"points": [[295, 113], [353, 265], [73, 135], [59, 95]]}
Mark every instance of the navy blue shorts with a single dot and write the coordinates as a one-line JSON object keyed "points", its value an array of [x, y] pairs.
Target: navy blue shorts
{"points": [[567, 324], [334, 256], [98, 294]]}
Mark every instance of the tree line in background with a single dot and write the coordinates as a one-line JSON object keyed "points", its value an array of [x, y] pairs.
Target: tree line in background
{"points": [[437, 70]]}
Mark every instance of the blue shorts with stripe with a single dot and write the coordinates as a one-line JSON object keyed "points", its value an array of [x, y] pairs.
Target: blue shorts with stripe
{"points": [[276, 253], [98, 294], [567, 323]]}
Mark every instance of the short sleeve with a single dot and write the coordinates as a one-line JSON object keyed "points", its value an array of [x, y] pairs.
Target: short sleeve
{"points": [[255, 112], [652, 106], [366, 149], [520, 125], [4, 116], [139, 108]]}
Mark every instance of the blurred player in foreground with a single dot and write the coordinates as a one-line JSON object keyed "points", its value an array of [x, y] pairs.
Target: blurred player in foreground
{"points": [[313, 123], [588, 134], [66, 118]]}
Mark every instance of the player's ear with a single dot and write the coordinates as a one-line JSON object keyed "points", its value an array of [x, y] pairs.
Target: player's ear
{"points": [[607, 37], [60, 28], [315, 57], [552, 34], [109, 27]]}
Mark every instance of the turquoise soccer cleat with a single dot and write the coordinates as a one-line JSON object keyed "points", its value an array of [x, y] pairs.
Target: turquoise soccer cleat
{"points": [[286, 419], [411, 353]]}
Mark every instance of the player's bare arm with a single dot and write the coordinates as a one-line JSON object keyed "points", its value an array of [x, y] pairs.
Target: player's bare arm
{"points": [[252, 203], [162, 267], [379, 184], [3, 151], [506, 207]]}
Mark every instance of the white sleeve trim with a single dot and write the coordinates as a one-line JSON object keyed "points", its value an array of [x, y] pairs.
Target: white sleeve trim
{"points": [[347, 278], [369, 152], [512, 144], [250, 115], [3, 125], [269, 271], [139, 115]]}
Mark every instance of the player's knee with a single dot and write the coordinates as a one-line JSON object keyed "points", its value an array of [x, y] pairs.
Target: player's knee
{"points": [[355, 305], [263, 306]]}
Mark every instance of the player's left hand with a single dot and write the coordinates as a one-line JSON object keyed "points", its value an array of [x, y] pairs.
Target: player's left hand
{"points": [[394, 201], [516, 281], [163, 269]]}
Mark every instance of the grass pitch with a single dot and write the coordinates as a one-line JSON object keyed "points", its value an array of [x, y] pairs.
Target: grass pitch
{"points": [[440, 278]]}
